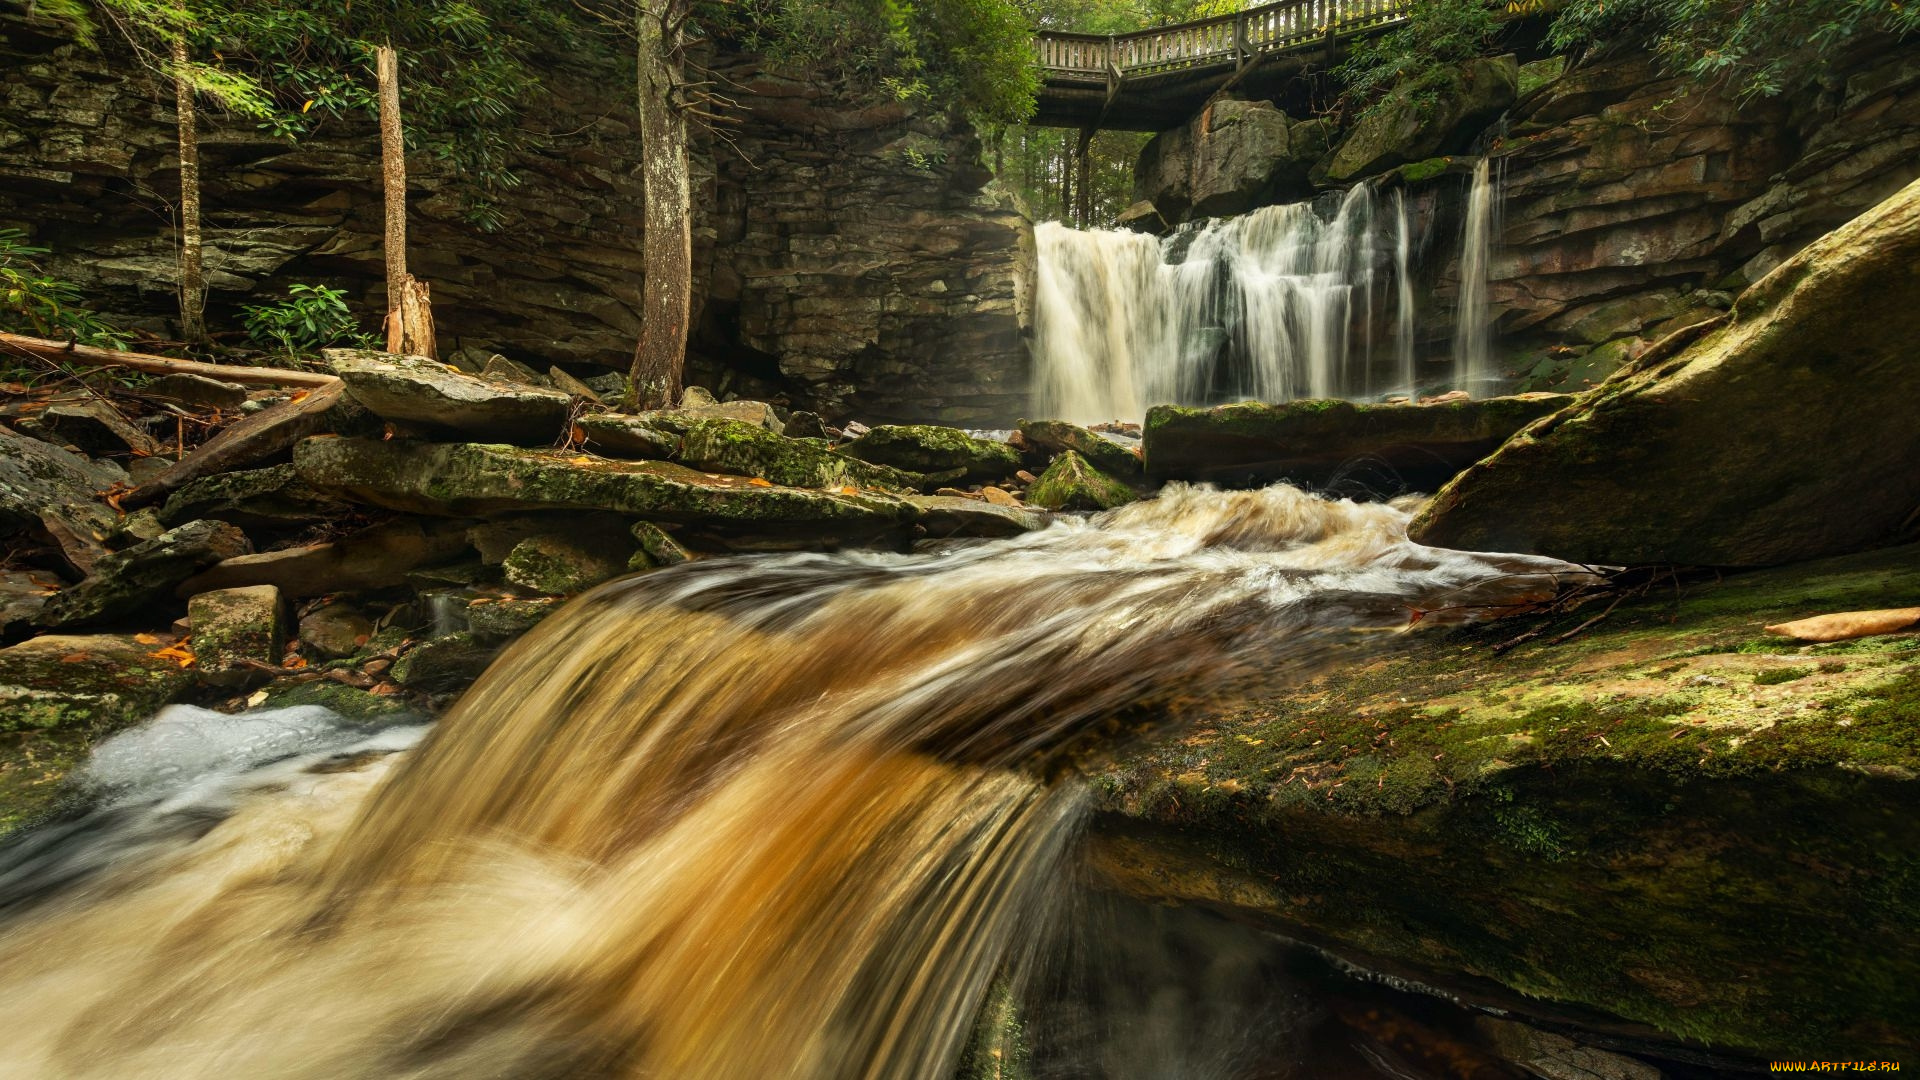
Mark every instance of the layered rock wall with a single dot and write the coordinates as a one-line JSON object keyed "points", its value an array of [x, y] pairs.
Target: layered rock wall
{"points": [[837, 248]]}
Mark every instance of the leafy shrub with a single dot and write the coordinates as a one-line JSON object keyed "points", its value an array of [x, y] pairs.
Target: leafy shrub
{"points": [[1417, 58], [35, 302], [312, 317], [1758, 48]]}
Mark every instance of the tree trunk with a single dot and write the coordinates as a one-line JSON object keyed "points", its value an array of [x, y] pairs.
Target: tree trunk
{"points": [[192, 278], [1083, 179], [409, 317], [667, 247]]}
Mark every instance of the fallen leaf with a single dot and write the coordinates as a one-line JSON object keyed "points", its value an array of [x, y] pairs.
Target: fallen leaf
{"points": [[760, 482], [849, 490], [385, 689], [256, 699], [76, 658], [147, 639], [294, 662], [179, 654]]}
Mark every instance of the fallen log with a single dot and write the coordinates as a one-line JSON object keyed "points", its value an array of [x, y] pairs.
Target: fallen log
{"points": [[68, 352]]}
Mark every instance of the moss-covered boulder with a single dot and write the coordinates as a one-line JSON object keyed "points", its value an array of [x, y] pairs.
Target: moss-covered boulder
{"points": [[335, 630], [930, 448], [1784, 432], [1070, 483], [628, 436], [349, 702], [445, 665], [743, 449], [560, 565], [1058, 436], [473, 478], [234, 630], [137, 584], [1322, 443], [89, 680], [493, 620], [424, 393], [659, 546], [1671, 816], [1425, 119], [271, 498]]}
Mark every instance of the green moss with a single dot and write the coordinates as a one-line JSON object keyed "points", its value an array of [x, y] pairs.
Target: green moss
{"points": [[1419, 171], [930, 448], [1070, 483], [346, 700]]}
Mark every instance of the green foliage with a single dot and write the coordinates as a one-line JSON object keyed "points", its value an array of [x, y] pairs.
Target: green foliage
{"points": [[311, 318], [970, 57], [1034, 163], [294, 65], [35, 302], [1417, 58], [1755, 47]]}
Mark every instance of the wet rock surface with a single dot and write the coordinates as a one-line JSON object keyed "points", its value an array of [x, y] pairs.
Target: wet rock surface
{"points": [[130, 584], [1751, 444], [927, 448], [1622, 819], [1070, 483], [1335, 445], [237, 632]]}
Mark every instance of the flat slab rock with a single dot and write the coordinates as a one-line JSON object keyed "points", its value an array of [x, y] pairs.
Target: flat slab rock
{"points": [[1329, 444], [956, 515], [424, 392], [76, 680], [457, 479]]}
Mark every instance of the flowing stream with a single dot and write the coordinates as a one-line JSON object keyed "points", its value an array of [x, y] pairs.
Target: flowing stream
{"points": [[1281, 303], [779, 816]]}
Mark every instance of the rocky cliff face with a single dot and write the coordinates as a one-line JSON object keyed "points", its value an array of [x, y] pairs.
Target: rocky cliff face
{"points": [[845, 246], [1631, 204]]}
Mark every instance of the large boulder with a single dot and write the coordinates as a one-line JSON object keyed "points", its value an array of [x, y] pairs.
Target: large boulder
{"points": [[929, 448], [744, 449], [128, 584], [1329, 444], [1784, 432], [425, 393], [956, 515], [1416, 123], [1666, 816], [469, 478], [1232, 157]]}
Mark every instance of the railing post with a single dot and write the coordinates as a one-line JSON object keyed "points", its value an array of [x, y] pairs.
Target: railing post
{"points": [[1240, 50]]}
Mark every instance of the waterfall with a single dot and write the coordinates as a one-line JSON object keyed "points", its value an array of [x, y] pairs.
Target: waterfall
{"points": [[1473, 324], [1281, 303], [1403, 320], [776, 816]]}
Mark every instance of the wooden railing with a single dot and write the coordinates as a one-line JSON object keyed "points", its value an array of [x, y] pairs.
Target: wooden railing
{"points": [[1222, 40]]}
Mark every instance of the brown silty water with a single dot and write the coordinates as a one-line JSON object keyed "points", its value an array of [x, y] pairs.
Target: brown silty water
{"points": [[760, 817]]}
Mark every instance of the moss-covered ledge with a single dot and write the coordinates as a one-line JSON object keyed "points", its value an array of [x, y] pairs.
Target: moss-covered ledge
{"points": [[1671, 817]]}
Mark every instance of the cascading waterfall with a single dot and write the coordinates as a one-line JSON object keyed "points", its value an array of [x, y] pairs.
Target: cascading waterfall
{"points": [[1281, 303], [759, 817], [1473, 326]]}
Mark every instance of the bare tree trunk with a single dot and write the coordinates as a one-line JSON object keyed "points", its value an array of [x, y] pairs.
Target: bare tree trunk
{"points": [[409, 314], [192, 278], [667, 247]]}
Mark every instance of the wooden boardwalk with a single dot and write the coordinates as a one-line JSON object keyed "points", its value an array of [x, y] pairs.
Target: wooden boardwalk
{"points": [[1153, 79]]}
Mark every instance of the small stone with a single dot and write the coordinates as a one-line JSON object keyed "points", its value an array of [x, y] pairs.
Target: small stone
{"points": [[506, 618], [335, 630], [659, 545], [571, 386], [444, 664], [697, 397], [805, 425], [232, 627], [501, 369], [998, 496], [90, 425]]}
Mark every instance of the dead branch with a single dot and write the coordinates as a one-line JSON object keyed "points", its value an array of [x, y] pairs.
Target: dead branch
{"points": [[91, 356]]}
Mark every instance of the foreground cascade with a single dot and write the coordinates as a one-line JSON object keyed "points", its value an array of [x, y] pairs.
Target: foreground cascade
{"points": [[768, 817]]}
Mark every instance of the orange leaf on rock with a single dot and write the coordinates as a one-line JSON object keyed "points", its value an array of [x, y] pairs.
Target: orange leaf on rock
{"points": [[760, 482], [76, 658], [147, 639]]}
